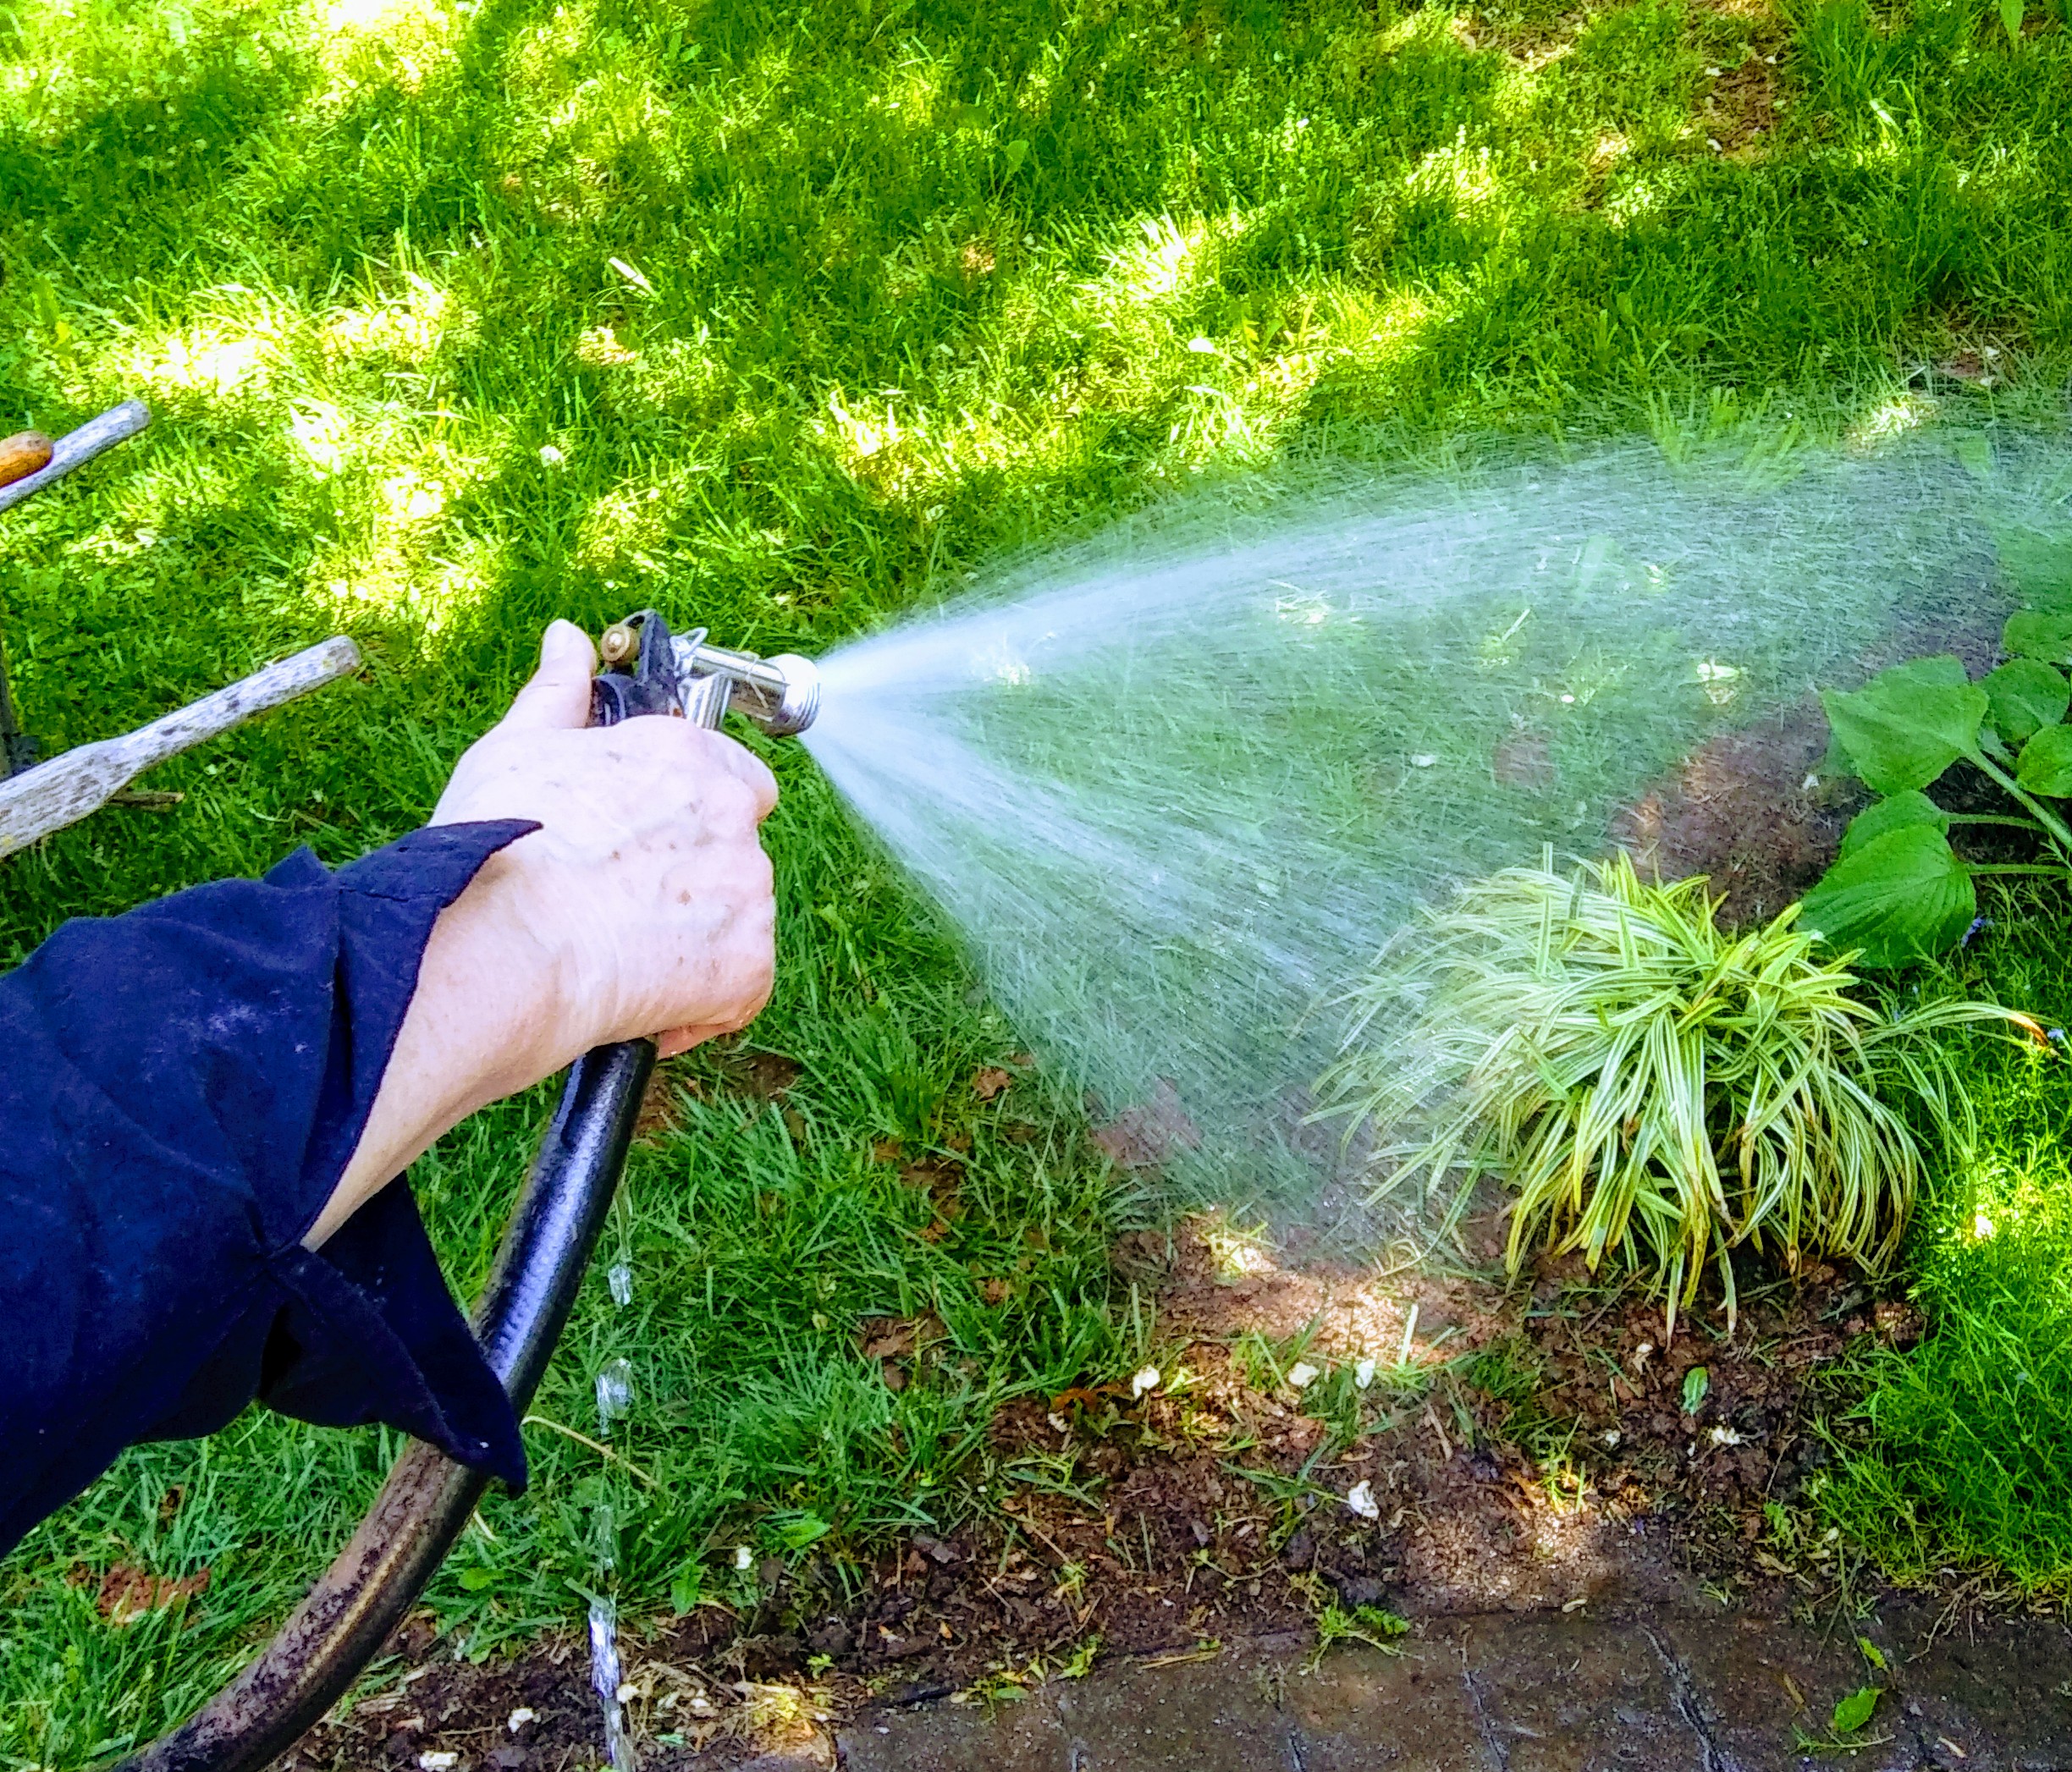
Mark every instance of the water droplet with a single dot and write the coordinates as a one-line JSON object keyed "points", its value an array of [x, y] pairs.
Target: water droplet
{"points": [[614, 1393]]}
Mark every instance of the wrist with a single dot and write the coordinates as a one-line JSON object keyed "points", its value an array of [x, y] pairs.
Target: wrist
{"points": [[488, 1016]]}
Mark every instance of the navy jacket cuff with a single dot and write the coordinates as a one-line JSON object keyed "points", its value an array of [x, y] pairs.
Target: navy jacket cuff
{"points": [[181, 1088]]}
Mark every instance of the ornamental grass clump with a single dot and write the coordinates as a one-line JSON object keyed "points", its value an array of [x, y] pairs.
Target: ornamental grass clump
{"points": [[1646, 1084]]}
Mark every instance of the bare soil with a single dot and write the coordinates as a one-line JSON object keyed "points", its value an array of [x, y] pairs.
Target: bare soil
{"points": [[1747, 810]]}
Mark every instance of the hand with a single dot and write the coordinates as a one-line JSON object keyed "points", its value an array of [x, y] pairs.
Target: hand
{"points": [[642, 907]]}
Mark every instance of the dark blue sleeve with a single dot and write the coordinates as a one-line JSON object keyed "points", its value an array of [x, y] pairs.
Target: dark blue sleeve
{"points": [[180, 1089]]}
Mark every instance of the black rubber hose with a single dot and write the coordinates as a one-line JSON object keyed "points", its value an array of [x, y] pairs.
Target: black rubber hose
{"points": [[422, 1508]]}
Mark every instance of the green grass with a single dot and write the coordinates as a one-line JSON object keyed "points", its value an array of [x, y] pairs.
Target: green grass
{"points": [[898, 287], [1959, 1459]]}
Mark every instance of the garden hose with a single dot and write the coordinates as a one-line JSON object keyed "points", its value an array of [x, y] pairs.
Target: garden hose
{"points": [[427, 1499]]}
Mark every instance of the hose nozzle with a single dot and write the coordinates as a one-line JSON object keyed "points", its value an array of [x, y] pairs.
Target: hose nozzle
{"points": [[649, 670], [781, 694]]}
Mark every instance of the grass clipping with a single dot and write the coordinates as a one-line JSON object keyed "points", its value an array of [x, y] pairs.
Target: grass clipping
{"points": [[1646, 1084]]}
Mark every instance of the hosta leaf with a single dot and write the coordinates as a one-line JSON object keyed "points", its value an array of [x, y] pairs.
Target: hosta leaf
{"points": [[1898, 898], [2039, 633], [2024, 694], [1908, 724], [2046, 766], [1911, 807]]}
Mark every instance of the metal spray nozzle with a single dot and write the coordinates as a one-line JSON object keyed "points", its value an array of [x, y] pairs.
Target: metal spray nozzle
{"points": [[781, 695], [649, 670]]}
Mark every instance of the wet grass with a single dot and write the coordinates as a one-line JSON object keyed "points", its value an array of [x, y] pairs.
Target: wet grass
{"points": [[459, 317]]}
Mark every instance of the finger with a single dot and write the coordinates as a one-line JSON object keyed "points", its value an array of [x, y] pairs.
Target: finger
{"points": [[558, 693], [679, 1040], [747, 768]]}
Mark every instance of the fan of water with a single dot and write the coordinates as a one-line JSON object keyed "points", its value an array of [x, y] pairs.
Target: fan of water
{"points": [[1175, 787]]}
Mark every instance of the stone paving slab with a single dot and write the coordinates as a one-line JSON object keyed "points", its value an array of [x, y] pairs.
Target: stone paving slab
{"points": [[1670, 1690]]}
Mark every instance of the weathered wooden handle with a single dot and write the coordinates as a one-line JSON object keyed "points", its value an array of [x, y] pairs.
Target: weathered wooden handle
{"points": [[76, 446], [22, 455], [65, 790]]}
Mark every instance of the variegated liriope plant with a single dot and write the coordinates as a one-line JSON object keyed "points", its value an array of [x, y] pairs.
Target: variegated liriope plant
{"points": [[1648, 1088]]}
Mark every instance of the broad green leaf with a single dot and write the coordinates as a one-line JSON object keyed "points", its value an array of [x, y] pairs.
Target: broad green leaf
{"points": [[2024, 694], [1696, 1382], [1976, 454], [477, 1578], [1899, 898], [1908, 724], [1872, 1653], [2046, 766], [1855, 1711], [1911, 807], [2011, 18], [2036, 634]]}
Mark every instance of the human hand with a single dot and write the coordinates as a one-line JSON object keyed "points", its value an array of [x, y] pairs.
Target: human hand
{"points": [[647, 885], [642, 907]]}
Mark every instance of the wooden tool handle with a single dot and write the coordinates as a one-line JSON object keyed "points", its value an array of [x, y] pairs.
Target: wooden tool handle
{"points": [[73, 447], [22, 455], [74, 783]]}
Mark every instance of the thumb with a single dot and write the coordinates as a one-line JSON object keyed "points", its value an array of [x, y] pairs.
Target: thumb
{"points": [[558, 693]]}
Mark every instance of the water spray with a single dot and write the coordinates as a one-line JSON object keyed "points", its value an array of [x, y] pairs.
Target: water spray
{"points": [[1315, 713], [427, 1499]]}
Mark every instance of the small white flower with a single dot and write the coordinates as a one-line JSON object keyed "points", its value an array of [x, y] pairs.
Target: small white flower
{"points": [[1812, 782], [1202, 347], [1981, 1226], [744, 1558], [1146, 1379], [1423, 760], [700, 1704], [1724, 1435], [438, 1761], [1362, 1374], [1360, 1499], [1302, 1375], [1612, 1436], [550, 457], [519, 1718]]}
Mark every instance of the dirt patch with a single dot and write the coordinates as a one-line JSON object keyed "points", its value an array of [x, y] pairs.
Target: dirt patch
{"points": [[124, 1594], [732, 1068], [1744, 103], [1747, 810]]}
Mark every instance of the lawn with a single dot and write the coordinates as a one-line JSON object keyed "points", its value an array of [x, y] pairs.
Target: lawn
{"points": [[457, 318]]}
